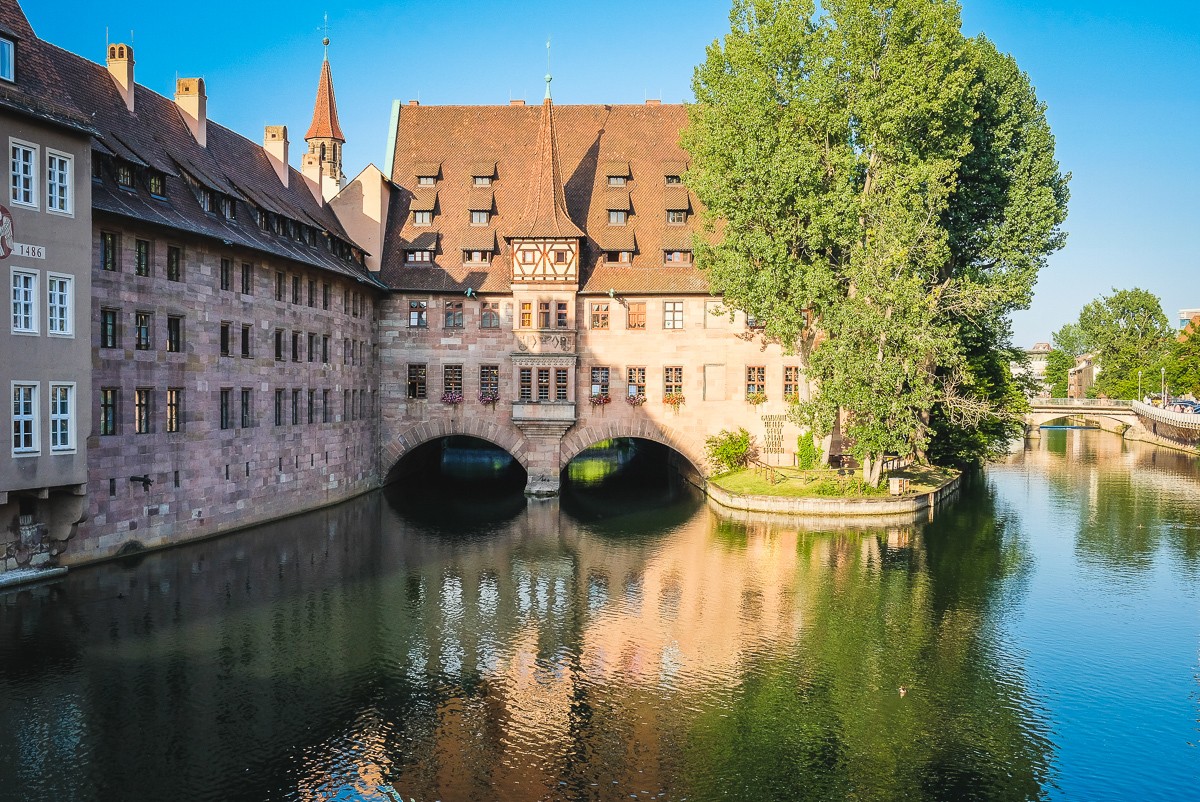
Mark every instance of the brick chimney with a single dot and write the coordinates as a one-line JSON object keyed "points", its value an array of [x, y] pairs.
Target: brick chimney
{"points": [[314, 176], [275, 143], [120, 67], [193, 103]]}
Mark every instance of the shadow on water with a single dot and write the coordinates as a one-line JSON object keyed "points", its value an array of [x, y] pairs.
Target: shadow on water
{"points": [[627, 487], [458, 486]]}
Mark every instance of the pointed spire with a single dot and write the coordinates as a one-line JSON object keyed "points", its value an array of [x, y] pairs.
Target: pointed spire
{"points": [[545, 212], [325, 118]]}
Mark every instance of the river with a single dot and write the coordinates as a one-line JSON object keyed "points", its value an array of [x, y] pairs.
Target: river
{"points": [[1036, 640]]}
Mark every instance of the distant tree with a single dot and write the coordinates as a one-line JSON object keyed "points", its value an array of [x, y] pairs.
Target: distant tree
{"points": [[1127, 331], [1058, 363], [887, 192], [1183, 362], [1071, 340]]}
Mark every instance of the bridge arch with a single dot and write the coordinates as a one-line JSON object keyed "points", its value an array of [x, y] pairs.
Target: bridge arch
{"points": [[507, 438], [584, 437], [1038, 419]]}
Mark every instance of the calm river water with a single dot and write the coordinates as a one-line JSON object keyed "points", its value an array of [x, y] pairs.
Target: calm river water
{"points": [[629, 642]]}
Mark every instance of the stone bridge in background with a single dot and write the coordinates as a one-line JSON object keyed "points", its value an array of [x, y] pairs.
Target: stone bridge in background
{"points": [[1045, 410]]}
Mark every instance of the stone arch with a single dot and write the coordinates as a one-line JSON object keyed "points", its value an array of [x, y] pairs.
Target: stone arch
{"points": [[1039, 419], [470, 426], [578, 439]]}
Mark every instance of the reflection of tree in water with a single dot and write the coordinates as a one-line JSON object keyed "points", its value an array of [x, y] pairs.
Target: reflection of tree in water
{"points": [[885, 611], [1130, 500]]}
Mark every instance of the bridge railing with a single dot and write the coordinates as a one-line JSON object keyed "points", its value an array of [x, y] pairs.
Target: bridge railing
{"points": [[1181, 420], [1080, 403]]}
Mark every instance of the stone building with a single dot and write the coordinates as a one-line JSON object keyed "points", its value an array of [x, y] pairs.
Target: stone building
{"points": [[232, 321], [45, 248], [544, 292]]}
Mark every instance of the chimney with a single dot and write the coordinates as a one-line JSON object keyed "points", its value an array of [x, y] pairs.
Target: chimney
{"points": [[653, 102], [314, 176], [120, 67], [516, 102], [414, 103], [275, 143], [192, 102]]}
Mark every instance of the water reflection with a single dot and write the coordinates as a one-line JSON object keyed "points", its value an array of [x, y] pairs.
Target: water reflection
{"points": [[588, 649]]}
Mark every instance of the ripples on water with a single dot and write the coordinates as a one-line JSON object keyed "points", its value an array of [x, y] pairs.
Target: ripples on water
{"points": [[450, 642]]}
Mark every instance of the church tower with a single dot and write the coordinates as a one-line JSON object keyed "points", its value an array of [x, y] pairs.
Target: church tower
{"points": [[322, 164]]}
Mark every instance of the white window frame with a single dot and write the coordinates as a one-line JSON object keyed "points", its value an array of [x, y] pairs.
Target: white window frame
{"points": [[480, 217], [13, 144], [68, 209], [31, 303], [67, 317], [673, 315], [66, 444], [423, 217], [32, 418], [8, 59]]}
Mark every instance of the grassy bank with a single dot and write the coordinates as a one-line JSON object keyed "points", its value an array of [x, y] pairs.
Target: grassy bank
{"points": [[826, 483]]}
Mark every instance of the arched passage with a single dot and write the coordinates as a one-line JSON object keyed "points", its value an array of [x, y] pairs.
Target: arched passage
{"points": [[397, 448], [581, 438], [1115, 422]]}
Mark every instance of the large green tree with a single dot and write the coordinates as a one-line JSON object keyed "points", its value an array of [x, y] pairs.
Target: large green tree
{"points": [[885, 191], [1127, 331]]}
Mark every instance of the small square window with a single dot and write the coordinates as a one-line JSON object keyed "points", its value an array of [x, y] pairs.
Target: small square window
{"points": [[424, 218], [426, 180], [157, 183], [617, 217], [676, 217], [479, 218]]}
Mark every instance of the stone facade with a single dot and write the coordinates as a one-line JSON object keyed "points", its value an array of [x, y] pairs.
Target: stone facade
{"points": [[713, 353], [218, 471]]}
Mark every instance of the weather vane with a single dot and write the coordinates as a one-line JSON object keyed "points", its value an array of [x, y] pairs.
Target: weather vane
{"points": [[325, 41], [548, 77]]}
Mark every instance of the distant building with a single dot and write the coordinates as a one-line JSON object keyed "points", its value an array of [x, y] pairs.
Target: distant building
{"points": [[1187, 316], [1081, 377]]}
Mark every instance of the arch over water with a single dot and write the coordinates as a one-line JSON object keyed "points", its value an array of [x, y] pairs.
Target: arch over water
{"points": [[504, 438], [584, 437], [1038, 419]]}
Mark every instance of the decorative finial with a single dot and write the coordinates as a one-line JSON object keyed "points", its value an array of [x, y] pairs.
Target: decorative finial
{"points": [[549, 78], [325, 41]]}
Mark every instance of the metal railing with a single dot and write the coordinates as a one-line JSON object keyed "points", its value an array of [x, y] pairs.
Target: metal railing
{"points": [[1180, 420], [1080, 403]]}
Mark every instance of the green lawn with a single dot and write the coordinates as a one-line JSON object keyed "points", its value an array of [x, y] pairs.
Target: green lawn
{"points": [[826, 483]]}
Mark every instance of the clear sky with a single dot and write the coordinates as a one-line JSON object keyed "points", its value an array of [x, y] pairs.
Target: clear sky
{"points": [[1120, 81]]}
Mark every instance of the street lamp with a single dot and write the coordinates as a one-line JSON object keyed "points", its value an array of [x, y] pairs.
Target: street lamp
{"points": [[1140, 396], [1164, 388]]}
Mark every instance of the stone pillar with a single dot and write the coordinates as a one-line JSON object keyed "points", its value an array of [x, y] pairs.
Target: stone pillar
{"points": [[543, 441]]}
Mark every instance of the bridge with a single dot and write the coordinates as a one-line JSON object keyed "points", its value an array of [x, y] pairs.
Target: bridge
{"points": [[1044, 410]]}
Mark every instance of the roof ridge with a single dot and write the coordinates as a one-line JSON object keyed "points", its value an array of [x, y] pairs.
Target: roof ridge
{"points": [[546, 212]]}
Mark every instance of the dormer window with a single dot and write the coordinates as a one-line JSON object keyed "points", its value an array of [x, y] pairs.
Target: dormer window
{"points": [[418, 257], [676, 217], [422, 218], [157, 184], [674, 179], [228, 207], [477, 257], [677, 257], [617, 217], [426, 180], [8, 59], [618, 257], [617, 180], [483, 180], [125, 175], [480, 218]]}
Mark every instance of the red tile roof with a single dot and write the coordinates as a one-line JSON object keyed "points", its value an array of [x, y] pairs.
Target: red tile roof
{"points": [[325, 119], [38, 92], [591, 143], [156, 136]]}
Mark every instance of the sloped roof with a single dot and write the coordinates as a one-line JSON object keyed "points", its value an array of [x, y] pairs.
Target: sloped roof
{"points": [[545, 212], [589, 140], [325, 118], [155, 135], [38, 92]]}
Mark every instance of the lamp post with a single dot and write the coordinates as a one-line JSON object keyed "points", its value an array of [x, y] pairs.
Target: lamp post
{"points": [[1164, 388], [1140, 396]]}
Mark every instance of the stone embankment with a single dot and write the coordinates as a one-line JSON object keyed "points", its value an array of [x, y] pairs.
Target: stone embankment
{"points": [[878, 507], [1176, 430]]}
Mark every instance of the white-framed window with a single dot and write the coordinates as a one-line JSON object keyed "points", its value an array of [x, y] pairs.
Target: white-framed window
{"points": [[424, 218], [60, 301], [24, 418], [59, 174], [8, 59], [24, 301], [482, 180], [480, 218], [673, 315], [62, 416], [23, 173], [617, 217], [426, 180]]}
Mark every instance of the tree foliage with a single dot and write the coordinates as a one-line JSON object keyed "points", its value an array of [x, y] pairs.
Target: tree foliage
{"points": [[1058, 365], [1127, 332], [885, 192], [730, 450]]}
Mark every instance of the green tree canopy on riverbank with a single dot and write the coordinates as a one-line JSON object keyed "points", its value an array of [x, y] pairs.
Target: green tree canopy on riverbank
{"points": [[885, 192]]}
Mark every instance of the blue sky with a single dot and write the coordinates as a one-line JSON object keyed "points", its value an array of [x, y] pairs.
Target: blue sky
{"points": [[1120, 81]]}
